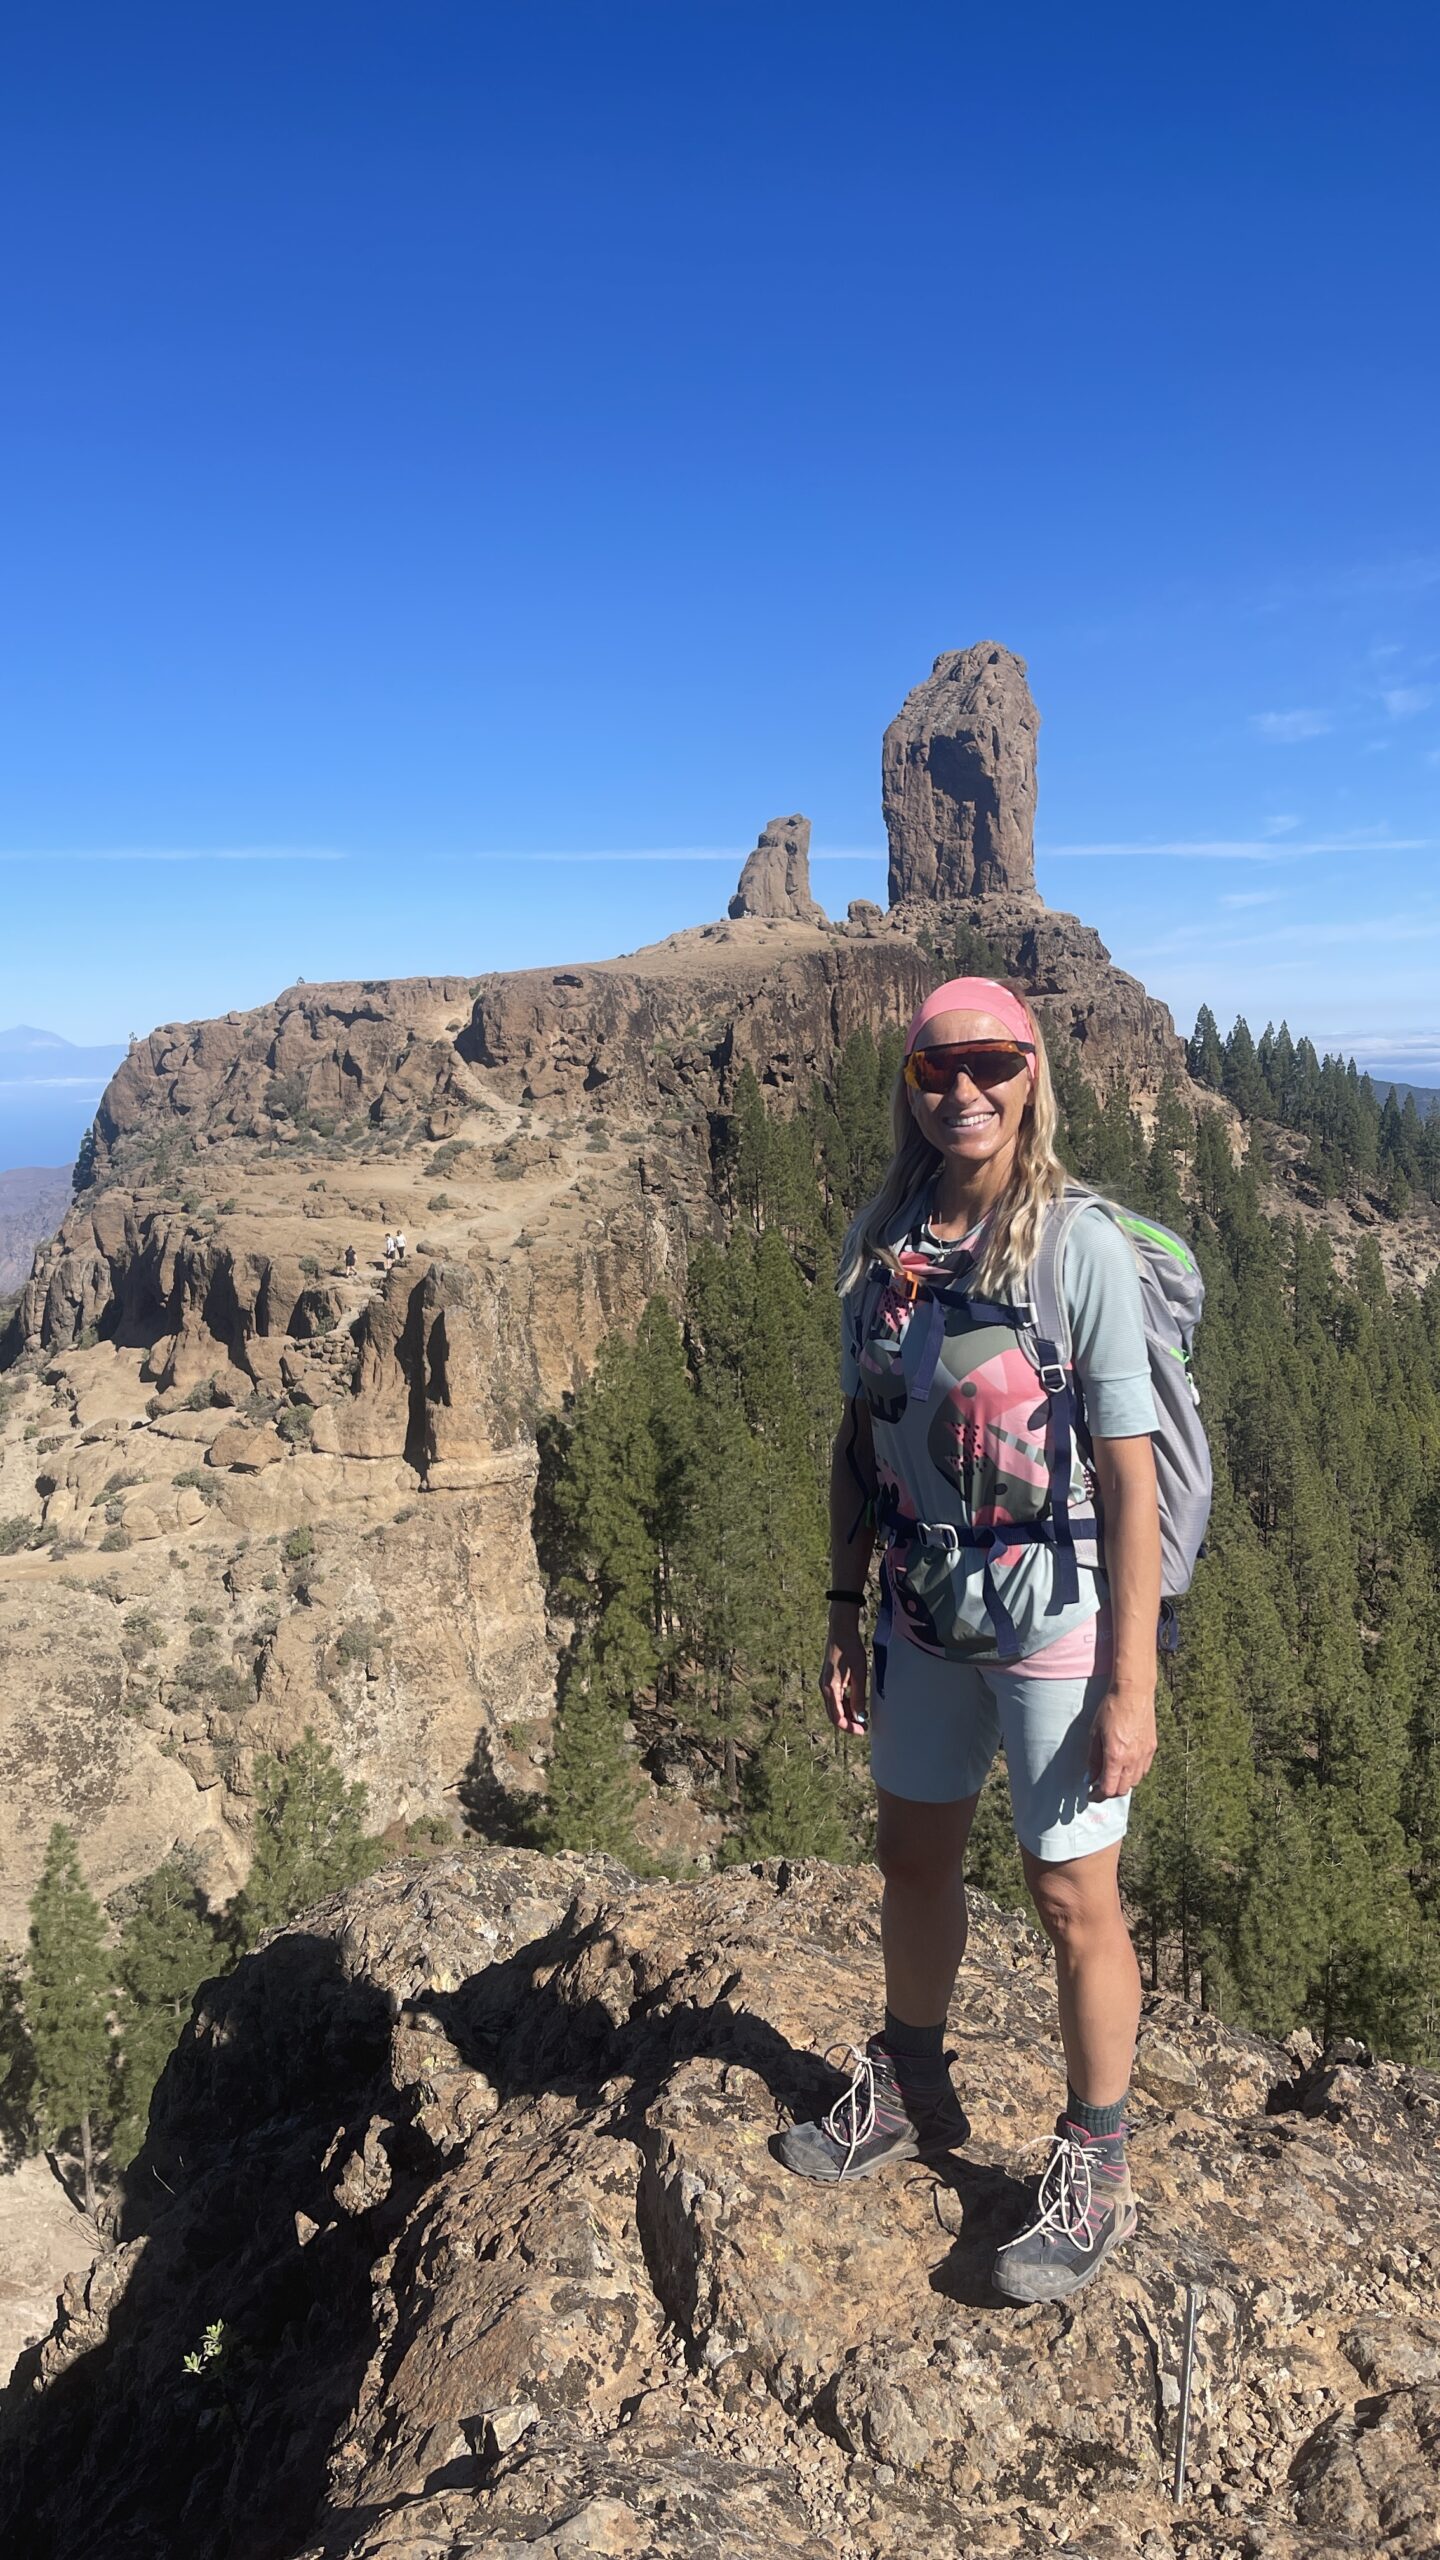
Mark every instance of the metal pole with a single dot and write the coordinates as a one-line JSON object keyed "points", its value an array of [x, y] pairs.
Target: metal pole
{"points": [[1187, 2376]]}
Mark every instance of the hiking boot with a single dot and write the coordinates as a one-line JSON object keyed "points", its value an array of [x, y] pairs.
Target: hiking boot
{"points": [[874, 2121], [1084, 2209]]}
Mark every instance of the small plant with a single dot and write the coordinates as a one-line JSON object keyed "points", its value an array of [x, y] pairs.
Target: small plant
{"points": [[309, 1266], [228, 1207], [320, 1185], [198, 1482], [269, 1581], [114, 1511], [201, 1396], [140, 1633], [87, 1338], [355, 1642], [441, 1202], [15, 1533], [204, 1634], [296, 1425], [209, 2351], [47, 1447], [115, 1541], [299, 1546]]}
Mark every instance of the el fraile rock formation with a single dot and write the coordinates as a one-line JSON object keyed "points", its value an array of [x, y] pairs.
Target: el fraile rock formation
{"points": [[473, 2169], [196, 1385], [776, 877]]}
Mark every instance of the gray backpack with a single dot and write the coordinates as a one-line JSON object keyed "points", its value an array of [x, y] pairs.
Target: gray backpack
{"points": [[1172, 1295]]}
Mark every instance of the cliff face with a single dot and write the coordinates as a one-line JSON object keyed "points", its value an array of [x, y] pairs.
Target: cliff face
{"points": [[281, 1492], [473, 2169]]}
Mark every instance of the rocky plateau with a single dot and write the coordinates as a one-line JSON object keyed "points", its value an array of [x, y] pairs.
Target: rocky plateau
{"points": [[469, 2175]]}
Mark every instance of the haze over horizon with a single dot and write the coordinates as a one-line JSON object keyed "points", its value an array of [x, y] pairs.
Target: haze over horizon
{"points": [[478, 467]]}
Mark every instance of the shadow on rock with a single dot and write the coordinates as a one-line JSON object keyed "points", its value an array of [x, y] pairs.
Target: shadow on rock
{"points": [[227, 2460]]}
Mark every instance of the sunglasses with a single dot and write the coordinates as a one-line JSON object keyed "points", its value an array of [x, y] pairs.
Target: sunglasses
{"points": [[986, 1063]]}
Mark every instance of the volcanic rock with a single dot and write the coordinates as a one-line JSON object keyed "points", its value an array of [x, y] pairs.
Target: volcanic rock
{"points": [[958, 780], [776, 877], [473, 2167]]}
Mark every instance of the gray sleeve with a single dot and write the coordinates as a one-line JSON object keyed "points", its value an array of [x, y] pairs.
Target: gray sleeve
{"points": [[1107, 1332]]}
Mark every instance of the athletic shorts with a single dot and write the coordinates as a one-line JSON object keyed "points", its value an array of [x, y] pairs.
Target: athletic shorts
{"points": [[935, 1728]]}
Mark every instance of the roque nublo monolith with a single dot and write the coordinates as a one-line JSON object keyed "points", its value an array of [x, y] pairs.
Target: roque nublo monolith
{"points": [[958, 779]]}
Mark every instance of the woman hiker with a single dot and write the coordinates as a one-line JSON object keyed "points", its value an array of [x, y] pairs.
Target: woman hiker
{"points": [[979, 1642]]}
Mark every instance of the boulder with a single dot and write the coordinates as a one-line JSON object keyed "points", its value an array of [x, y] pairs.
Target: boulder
{"points": [[958, 780]]}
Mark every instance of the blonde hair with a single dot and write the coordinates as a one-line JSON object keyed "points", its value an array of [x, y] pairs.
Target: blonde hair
{"points": [[1037, 1178]]}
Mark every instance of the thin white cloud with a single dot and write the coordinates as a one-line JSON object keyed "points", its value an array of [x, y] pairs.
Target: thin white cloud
{"points": [[1249, 897], [1238, 848], [175, 853], [1403, 701], [669, 853], [1287, 728], [1418, 924], [1281, 825]]}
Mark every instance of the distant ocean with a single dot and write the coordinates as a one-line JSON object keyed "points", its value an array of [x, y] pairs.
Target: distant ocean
{"points": [[49, 1089]]}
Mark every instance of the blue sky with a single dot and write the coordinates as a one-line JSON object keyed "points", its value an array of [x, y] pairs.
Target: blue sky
{"points": [[437, 436]]}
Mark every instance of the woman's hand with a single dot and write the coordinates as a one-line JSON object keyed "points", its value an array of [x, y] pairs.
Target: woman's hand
{"points": [[843, 1676], [1122, 1739]]}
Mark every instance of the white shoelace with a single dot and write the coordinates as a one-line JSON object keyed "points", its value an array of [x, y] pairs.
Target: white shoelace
{"points": [[1065, 2197], [848, 2121]]}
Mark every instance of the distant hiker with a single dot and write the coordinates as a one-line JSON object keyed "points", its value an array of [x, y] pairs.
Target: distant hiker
{"points": [[349, 1257], [957, 1445], [389, 1250], [400, 1244]]}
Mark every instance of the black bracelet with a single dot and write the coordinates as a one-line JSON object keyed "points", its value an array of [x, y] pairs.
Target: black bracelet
{"points": [[857, 1596]]}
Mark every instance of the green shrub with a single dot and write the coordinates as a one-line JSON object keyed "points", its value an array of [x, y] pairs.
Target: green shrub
{"points": [[201, 1396], [299, 1545], [140, 1633], [15, 1533], [296, 1424], [355, 1642], [441, 1201], [115, 1541], [309, 1266]]}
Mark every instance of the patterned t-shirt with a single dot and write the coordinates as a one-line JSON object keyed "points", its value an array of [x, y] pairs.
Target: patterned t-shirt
{"points": [[958, 1417]]}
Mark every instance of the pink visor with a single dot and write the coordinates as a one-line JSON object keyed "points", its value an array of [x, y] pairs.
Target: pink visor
{"points": [[974, 995]]}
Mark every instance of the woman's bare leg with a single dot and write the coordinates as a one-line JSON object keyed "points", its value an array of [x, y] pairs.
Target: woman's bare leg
{"points": [[920, 1851], [1078, 1900]]}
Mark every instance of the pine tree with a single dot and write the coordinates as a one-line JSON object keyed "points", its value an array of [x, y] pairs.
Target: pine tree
{"points": [[310, 1838], [1204, 1055], [167, 1948], [67, 2005], [591, 1786], [791, 1799]]}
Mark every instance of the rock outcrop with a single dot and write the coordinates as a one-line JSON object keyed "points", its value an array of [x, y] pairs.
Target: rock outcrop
{"points": [[470, 2176], [958, 780], [776, 877]]}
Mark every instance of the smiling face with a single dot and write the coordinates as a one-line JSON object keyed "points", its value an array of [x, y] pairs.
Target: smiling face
{"points": [[970, 1125]]}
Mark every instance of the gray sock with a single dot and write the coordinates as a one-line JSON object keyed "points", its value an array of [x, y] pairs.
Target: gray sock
{"points": [[1103, 2122]]}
